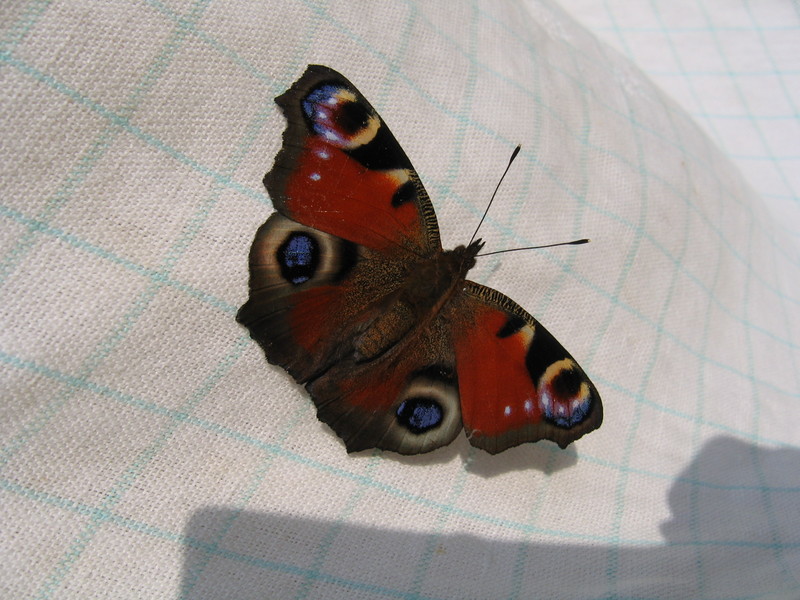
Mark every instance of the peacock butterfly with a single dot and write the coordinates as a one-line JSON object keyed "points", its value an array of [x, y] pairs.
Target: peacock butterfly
{"points": [[352, 293]]}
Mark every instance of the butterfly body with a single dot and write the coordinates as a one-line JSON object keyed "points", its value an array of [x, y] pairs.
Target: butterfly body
{"points": [[352, 293]]}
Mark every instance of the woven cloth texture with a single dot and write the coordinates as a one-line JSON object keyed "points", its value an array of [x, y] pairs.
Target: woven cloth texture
{"points": [[148, 449]]}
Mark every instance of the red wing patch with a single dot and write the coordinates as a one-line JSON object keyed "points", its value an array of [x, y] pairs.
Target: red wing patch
{"points": [[333, 192]]}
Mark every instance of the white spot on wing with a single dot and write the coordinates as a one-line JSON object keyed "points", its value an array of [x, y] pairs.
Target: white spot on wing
{"points": [[507, 411], [528, 405], [314, 177]]}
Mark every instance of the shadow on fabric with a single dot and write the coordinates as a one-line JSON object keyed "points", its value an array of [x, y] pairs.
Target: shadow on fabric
{"points": [[734, 532]]}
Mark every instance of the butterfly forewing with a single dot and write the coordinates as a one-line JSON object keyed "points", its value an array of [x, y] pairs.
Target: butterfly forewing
{"points": [[342, 171]]}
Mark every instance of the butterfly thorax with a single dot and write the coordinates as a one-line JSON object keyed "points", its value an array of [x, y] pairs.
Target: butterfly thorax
{"points": [[429, 285]]}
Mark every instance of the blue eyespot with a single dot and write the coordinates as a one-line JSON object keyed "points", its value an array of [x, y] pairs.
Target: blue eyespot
{"points": [[419, 415], [562, 400], [298, 257]]}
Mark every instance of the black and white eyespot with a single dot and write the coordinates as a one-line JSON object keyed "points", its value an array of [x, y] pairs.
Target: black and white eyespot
{"points": [[427, 413], [336, 114], [288, 253], [565, 395]]}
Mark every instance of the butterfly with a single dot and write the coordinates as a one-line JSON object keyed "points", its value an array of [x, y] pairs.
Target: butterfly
{"points": [[352, 293]]}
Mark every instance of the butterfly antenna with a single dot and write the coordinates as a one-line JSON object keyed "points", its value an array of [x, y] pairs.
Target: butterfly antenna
{"points": [[488, 206], [572, 243]]}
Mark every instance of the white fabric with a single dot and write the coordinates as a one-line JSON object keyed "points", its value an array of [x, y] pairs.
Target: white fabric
{"points": [[149, 451]]}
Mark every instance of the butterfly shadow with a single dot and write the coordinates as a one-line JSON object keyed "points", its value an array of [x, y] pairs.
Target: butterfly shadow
{"points": [[545, 457], [734, 531]]}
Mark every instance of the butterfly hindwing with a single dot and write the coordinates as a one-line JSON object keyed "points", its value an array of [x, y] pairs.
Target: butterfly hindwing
{"points": [[342, 171], [517, 383], [405, 400], [311, 294]]}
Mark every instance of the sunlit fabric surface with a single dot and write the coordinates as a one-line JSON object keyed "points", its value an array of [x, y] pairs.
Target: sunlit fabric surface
{"points": [[148, 449]]}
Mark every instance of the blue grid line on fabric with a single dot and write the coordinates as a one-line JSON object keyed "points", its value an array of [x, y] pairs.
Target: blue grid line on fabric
{"points": [[434, 536], [581, 193], [699, 411], [95, 358], [152, 274], [720, 73], [612, 567], [789, 98], [644, 400], [77, 175], [138, 306], [777, 196], [323, 549], [222, 49], [766, 503], [124, 124], [700, 402], [768, 53], [19, 30], [278, 450], [770, 509], [693, 28], [754, 157], [699, 158], [112, 497], [743, 97], [56, 576], [107, 516], [521, 558], [675, 55], [787, 324]]}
